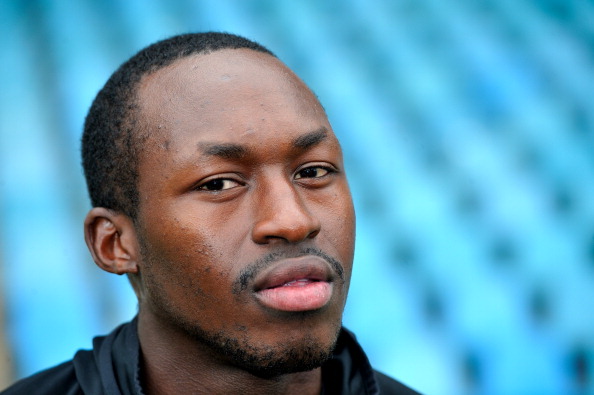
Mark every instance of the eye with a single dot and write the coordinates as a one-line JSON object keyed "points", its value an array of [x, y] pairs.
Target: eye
{"points": [[218, 184], [312, 172]]}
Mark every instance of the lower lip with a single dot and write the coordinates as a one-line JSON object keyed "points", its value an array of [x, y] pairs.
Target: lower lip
{"points": [[310, 296]]}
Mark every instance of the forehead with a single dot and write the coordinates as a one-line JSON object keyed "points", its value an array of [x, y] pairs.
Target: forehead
{"points": [[237, 89]]}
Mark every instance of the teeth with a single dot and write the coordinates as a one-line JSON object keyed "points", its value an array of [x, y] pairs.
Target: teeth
{"points": [[300, 282]]}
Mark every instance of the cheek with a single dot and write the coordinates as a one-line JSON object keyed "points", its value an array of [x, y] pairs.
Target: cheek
{"points": [[338, 216], [344, 212], [188, 253], [175, 253], [179, 229]]}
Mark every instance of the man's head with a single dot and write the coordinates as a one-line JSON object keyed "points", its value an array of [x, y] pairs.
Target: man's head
{"points": [[242, 236]]}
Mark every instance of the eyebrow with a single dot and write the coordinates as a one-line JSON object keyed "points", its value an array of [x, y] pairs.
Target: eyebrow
{"points": [[310, 139], [234, 151], [225, 151]]}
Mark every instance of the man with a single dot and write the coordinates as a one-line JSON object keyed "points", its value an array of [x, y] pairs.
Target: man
{"points": [[218, 187]]}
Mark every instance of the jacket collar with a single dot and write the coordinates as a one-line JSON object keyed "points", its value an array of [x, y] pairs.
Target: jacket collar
{"points": [[348, 371]]}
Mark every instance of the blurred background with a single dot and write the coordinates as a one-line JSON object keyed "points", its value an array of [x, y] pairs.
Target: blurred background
{"points": [[468, 131]]}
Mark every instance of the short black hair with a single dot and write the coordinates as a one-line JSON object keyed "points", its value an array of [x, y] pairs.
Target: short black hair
{"points": [[111, 142]]}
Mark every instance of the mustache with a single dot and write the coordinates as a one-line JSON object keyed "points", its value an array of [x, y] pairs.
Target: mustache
{"points": [[253, 269]]}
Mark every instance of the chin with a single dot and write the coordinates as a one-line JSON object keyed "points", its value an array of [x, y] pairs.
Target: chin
{"points": [[290, 354], [289, 357]]}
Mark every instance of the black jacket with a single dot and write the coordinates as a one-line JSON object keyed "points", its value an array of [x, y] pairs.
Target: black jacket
{"points": [[112, 368]]}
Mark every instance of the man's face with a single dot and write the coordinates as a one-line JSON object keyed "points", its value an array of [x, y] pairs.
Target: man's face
{"points": [[246, 223]]}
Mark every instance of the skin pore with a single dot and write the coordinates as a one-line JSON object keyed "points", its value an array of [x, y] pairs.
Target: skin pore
{"points": [[243, 198]]}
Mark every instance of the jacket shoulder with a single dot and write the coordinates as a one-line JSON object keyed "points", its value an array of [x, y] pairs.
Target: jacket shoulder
{"points": [[60, 379], [389, 386]]}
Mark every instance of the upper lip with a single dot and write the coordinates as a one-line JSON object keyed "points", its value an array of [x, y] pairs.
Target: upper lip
{"points": [[309, 267]]}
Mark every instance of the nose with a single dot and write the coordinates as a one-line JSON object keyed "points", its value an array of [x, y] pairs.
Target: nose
{"points": [[282, 215]]}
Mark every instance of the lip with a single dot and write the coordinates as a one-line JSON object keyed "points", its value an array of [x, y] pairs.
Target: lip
{"points": [[295, 284]]}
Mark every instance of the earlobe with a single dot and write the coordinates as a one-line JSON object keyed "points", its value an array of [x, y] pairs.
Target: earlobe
{"points": [[111, 239]]}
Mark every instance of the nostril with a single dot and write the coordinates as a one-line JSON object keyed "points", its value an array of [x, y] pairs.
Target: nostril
{"points": [[313, 234]]}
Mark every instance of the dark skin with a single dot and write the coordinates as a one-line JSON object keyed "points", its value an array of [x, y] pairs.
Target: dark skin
{"points": [[241, 162]]}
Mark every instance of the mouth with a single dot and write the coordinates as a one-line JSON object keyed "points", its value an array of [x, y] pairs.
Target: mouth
{"points": [[295, 284]]}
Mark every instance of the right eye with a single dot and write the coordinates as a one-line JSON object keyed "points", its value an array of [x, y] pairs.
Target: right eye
{"points": [[218, 184]]}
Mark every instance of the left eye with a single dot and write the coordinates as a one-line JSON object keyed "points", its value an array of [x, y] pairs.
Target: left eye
{"points": [[218, 184], [312, 172]]}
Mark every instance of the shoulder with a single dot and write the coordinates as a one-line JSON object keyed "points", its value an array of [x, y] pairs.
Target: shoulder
{"points": [[389, 386], [60, 379]]}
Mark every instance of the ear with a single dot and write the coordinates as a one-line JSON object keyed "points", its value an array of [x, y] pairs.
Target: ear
{"points": [[111, 239]]}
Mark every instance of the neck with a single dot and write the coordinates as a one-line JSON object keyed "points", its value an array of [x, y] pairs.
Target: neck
{"points": [[174, 363]]}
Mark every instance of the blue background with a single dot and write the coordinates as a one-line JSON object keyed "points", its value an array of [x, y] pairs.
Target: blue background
{"points": [[468, 131]]}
